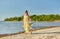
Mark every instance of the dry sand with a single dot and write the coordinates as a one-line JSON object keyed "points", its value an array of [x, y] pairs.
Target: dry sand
{"points": [[49, 33]]}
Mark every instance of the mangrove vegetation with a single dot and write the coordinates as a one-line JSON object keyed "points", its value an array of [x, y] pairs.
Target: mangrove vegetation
{"points": [[42, 17]]}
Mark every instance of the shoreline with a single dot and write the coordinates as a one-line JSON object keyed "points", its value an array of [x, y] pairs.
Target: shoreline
{"points": [[5, 35], [47, 33]]}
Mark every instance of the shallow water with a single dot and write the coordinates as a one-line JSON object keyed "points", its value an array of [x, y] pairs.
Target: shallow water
{"points": [[15, 27]]}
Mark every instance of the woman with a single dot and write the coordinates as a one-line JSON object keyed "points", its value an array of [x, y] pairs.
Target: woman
{"points": [[26, 21]]}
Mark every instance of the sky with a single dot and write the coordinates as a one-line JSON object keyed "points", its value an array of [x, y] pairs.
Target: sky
{"points": [[12, 8]]}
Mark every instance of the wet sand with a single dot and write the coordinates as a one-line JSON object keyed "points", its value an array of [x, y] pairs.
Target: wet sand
{"points": [[47, 33]]}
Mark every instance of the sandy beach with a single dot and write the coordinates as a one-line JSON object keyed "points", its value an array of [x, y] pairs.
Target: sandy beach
{"points": [[48, 33]]}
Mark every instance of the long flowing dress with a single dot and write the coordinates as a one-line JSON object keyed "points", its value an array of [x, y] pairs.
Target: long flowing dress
{"points": [[26, 22]]}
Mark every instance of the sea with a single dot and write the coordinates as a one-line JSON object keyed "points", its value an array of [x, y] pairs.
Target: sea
{"points": [[7, 27]]}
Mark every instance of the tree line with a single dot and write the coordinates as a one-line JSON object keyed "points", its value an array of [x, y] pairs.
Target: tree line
{"points": [[42, 17]]}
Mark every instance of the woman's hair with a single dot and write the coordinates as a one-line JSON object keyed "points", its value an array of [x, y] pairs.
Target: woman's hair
{"points": [[26, 12]]}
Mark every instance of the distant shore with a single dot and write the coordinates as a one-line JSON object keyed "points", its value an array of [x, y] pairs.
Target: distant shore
{"points": [[34, 21], [42, 17]]}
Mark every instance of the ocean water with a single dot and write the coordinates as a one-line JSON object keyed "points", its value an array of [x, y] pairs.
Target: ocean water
{"points": [[15, 27]]}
